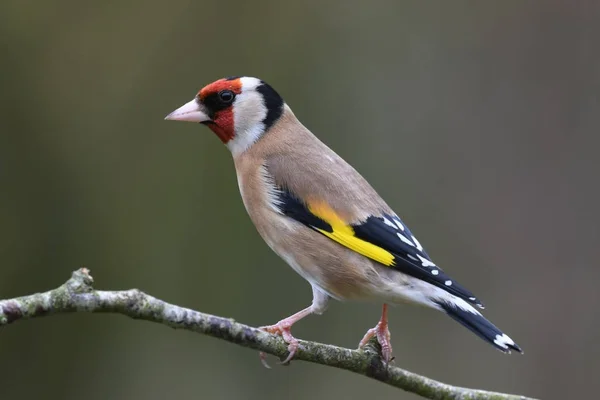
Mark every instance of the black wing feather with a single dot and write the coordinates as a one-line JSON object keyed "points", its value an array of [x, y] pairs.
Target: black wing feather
{"points": [[389, 233]]}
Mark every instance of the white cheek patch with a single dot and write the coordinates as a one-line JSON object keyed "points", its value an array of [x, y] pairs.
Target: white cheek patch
{"points": [[249, 111]]}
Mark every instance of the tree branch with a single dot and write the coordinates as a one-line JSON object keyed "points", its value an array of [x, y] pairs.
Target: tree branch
{"points": [[78, 295]]}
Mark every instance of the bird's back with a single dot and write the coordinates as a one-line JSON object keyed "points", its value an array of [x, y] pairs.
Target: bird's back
{"points": [[298, 161]]}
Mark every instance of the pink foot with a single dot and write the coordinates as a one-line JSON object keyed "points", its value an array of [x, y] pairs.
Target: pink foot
{"points": [[282, 328], [382, 332]]}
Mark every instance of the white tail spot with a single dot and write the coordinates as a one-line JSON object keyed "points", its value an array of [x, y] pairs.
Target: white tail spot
{"points": [[503, 341]]}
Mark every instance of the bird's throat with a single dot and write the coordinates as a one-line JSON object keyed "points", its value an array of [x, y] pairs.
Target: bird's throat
{"points": [[225, 134], [223, 125]]}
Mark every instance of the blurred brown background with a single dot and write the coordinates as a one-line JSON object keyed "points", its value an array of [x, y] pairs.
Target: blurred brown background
{"points": [[477, 121]]}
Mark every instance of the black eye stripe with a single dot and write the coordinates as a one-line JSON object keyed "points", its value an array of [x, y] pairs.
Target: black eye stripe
{"points": [[216, 102]]}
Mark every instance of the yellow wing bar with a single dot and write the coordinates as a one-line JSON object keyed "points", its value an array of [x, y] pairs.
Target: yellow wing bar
{"points": [[344, 235]]}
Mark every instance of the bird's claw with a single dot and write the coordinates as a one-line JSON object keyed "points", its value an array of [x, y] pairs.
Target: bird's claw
{"points": [[284, 330], [382, 333]]}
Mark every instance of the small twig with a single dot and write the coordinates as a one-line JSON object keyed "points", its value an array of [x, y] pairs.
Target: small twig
{"points": [[78, 295]]}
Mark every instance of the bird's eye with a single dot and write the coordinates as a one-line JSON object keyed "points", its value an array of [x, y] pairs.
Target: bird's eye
{"points": [[226, 96]]}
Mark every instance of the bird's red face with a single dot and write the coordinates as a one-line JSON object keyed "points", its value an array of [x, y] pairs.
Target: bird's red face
{"points": [[213, 106], [218, 98], [238, 109]]}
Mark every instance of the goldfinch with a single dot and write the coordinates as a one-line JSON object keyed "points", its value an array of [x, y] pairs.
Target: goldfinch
{"points": [[323, 218]]}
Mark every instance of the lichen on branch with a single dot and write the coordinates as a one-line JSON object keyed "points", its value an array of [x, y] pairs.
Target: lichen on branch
{"points": [[78, 295]]}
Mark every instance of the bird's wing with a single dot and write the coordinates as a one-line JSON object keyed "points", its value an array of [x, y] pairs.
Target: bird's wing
{"points": [[383, 238]]}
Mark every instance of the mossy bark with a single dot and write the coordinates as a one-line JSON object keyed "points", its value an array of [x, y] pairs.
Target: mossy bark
{"points": [[78, 295]]}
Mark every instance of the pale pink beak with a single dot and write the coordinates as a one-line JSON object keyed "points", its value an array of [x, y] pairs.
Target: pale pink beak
{"points": [[192, 111]]}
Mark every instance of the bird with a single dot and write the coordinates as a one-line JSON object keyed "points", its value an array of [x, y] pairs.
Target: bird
{"points": [[321, 216]]}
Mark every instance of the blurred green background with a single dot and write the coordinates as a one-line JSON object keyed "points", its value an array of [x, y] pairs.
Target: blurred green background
{"points": [[477, 121]]}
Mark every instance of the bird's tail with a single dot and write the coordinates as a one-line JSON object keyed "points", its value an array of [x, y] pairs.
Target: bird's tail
{"points": [[478, 324]]}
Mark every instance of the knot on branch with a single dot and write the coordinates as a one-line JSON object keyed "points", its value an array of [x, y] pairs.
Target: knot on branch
{"points": [[81, 282]]}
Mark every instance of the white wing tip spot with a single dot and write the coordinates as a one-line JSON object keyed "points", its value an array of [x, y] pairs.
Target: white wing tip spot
{"points": [[503, 341], [448, 283], [425, 262], [435, 272], [388, 222], [472, 298], [417, 243], [399, 223], [405, 239]]}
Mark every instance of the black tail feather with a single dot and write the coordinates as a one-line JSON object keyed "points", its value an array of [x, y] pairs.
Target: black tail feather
{"points": [[483, 328]]}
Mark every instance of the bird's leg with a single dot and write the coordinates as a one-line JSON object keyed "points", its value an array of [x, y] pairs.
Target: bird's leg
{"points": [[382, 332], [284, 326]]}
